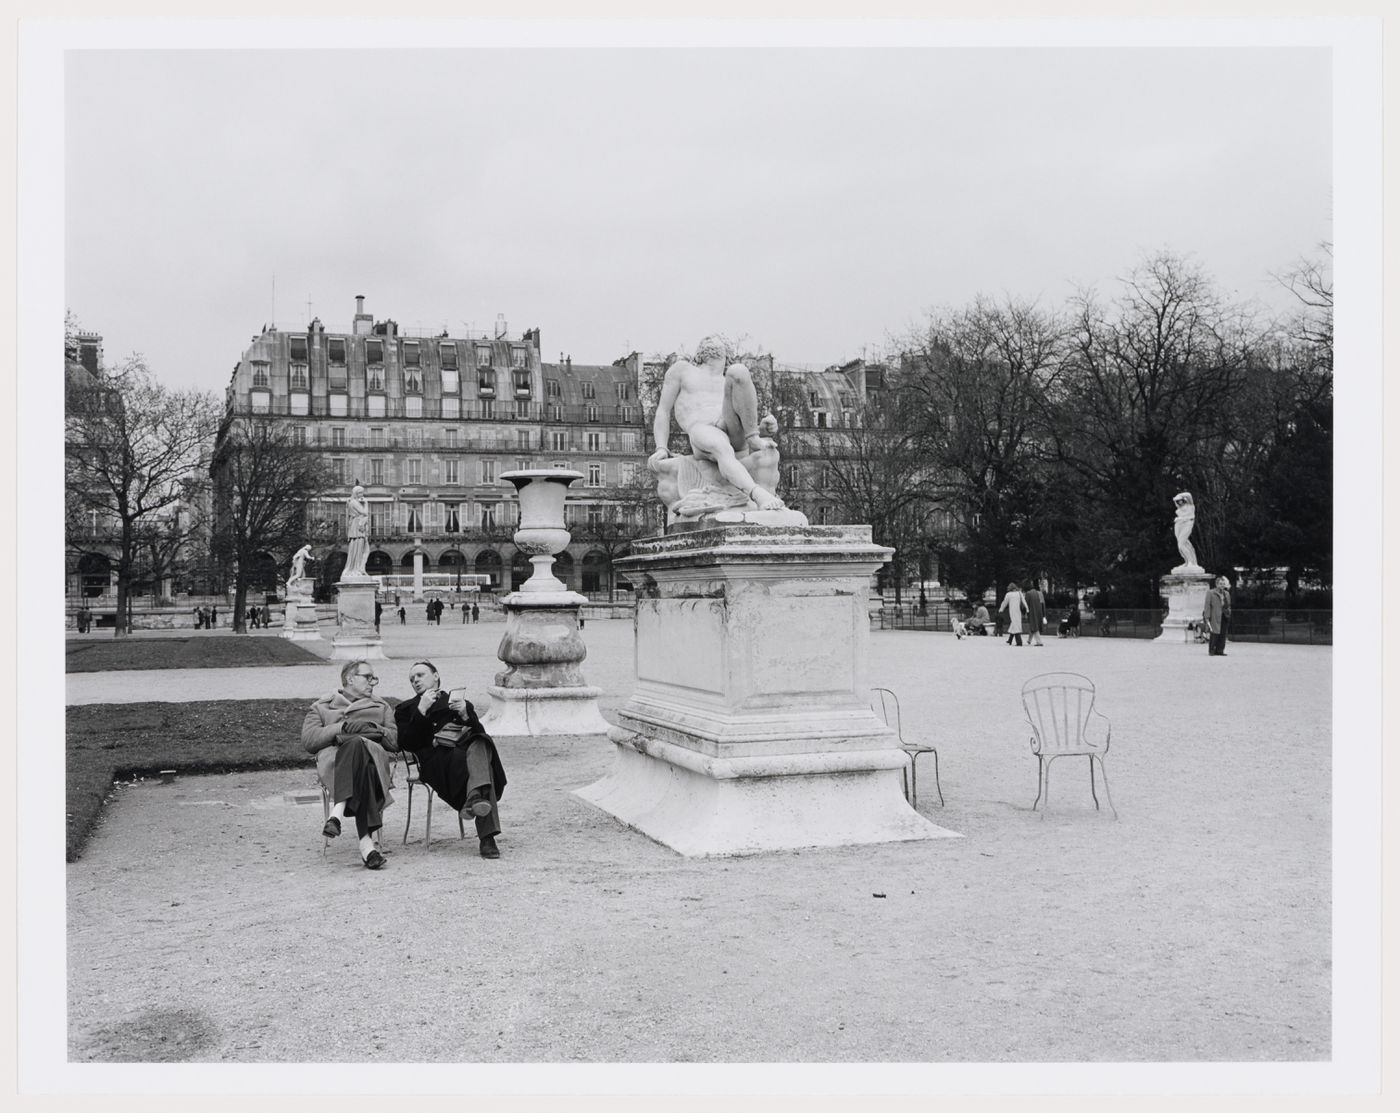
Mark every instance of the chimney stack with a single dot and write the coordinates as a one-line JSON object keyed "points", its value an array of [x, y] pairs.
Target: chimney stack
{"points": [[364, 322]]}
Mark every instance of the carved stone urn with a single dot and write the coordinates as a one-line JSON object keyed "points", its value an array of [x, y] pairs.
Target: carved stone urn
{"points": [[541, 533], [542, 689]]}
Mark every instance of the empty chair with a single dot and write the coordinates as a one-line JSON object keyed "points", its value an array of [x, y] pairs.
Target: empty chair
{"points": [[410, 764], [886, 704], [1060, 709]]}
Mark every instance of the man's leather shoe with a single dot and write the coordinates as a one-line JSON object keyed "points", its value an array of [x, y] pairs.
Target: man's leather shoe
{"points": [[374, 860], [488, 848], [479, 806], [332, 828]]}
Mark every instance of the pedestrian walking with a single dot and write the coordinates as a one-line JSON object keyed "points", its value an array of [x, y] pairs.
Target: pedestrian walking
{"points": [[475, 614], [1035, 613], [378, 611], [403, 616], [466, 614], [1014, 604], [213, 618]]}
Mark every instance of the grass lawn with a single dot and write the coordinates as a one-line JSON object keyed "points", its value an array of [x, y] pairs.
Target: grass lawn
{"points": [[184, 653], [106, 742]]}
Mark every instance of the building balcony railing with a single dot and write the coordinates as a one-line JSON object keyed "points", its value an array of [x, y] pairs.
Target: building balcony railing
{"points": [[319, 407]]}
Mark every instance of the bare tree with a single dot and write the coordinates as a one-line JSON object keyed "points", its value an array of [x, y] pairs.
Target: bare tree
{"points": [[132, 444], [264, 482], [625, 513]]}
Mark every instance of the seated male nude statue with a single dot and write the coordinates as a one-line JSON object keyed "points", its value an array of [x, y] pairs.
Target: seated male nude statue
{"points": [[717, 408]]}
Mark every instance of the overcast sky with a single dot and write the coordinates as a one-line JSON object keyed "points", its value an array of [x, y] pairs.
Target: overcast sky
{"points": [[815, 201]]}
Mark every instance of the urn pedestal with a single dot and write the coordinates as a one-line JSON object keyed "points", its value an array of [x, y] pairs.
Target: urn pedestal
{"points": [[299, 623], [542, 691], [750, 727], [357, 638], [1185, 593]]}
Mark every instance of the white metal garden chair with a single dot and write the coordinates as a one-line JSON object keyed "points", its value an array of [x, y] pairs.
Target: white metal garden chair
{"points": [[885, 703], [1064, 723]]}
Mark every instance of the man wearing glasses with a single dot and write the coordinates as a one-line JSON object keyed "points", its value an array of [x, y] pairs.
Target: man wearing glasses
{"points": [[351, 732]]}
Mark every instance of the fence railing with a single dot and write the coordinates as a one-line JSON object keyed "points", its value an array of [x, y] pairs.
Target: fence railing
{"points": [[1302, 627]]}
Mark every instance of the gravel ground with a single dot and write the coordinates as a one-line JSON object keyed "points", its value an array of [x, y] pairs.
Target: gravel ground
{"points": [[205, 924]]}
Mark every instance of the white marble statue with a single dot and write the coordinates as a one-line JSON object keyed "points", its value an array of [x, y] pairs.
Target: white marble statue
{"points": [[299, 559], [357, 534], [1184, 523], [733, 463]]}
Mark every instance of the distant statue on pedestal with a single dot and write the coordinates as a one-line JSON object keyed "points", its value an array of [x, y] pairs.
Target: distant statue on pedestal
{"points": [[733, 464], [1184, 523], [299, 559], [356, 534]]}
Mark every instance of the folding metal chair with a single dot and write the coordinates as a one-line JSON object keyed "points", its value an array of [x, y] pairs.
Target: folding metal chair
{"points": [[1059, 707], [413, 780]]}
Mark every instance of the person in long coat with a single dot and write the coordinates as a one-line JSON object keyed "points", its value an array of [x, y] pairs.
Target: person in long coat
{"points": [[351, 732], [1014, 604], [1035, 614], [469, 776], [1216, 616]]}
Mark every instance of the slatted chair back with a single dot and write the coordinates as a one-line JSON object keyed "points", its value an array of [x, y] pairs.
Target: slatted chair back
{"points": [[886, 704], [1059, 707]]}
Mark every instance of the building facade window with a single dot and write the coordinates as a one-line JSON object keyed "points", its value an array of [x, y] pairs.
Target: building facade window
{"points": [[790, 475], [335, 350], [522, 382], [555, 412], [483, 355], [338, 469], [595, 442], [413, 405], [299, 377], [414, 470], [624, 391], [589, 389], [374, 351], [378, 436], [412, 381], [379, 519], [296, 346], [522, 408], [595, 475], [592, 413], [374, 378], [451, 472], [451, 382], [488, 471], [337, 436], [262, 401], [452, 407], [376, 406], [339, 405], [486, 381], [823, 514], [260, 373], [522, 438], [558, 442], [551, 388], [300, 404], [486, 408], [447, 356], [488, 515], [376, 471], [413, 517], [451, 519], [411, 356], [299, 435], [338, 377], [627, 414], [517, 357], [450, 437]]}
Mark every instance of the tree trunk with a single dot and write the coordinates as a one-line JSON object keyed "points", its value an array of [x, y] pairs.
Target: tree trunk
{"points": [[122, 617], [240, 601]]}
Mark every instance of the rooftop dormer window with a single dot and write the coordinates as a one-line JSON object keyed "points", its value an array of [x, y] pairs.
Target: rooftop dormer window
{"points": [[590, 390], [517, 357], [259, 372], [411, 356], [447, 356], [335, 350], [374, 351], [298, 349]]}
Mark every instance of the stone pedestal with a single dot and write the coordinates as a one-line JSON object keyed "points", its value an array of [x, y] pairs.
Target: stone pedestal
{"points": [[1185, 593], [357, 638], [299, 623], [750, 727], [542, 690], [418, 573]]}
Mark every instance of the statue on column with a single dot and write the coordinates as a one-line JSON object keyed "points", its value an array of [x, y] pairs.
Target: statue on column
{"points": [[734, 460], [357, 534], [1184, 523], [299, 559]]}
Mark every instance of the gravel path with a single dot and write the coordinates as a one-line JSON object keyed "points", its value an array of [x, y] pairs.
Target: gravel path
{"points": [[205, 925]]}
